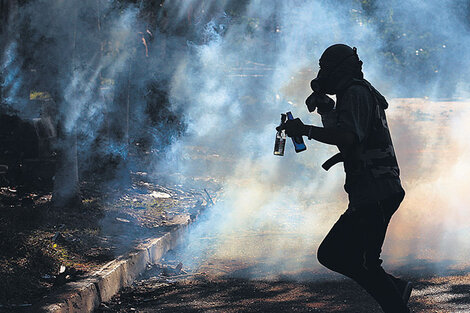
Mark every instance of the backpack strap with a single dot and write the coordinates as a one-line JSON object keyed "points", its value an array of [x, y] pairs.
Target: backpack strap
{"points": [[338, 157]]}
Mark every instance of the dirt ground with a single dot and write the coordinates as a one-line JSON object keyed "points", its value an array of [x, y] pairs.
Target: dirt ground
{"points": [[212, 284], [43, 247], [203, 294]]}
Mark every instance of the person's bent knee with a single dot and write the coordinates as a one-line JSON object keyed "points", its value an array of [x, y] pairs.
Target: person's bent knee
{"points": [[324, 256], [327, 255]]}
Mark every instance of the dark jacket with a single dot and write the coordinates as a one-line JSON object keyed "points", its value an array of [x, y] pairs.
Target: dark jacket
{"points": [[371, 167]]}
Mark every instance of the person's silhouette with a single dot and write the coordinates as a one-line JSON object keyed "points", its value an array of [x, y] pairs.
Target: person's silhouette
{"points": [[358, 127]]}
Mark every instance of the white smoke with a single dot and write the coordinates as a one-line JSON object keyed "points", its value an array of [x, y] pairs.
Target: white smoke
{"points": [[242, 64], [233, 89]]}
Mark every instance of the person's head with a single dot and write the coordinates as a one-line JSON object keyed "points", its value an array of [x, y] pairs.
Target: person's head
{"points": [[338, 65]]}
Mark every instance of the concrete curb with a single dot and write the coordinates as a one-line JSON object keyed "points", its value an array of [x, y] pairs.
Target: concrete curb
{"points": [[86, 295]]}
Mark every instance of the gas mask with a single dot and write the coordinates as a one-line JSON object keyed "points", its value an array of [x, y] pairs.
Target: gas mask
{"points": [[318, 99]]}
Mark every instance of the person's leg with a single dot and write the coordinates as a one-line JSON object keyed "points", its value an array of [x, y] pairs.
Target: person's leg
{"points": [[404, 287], [389, 208], [381, 285], [344, 249], [352, 248], [339, 246], [376, 218]]}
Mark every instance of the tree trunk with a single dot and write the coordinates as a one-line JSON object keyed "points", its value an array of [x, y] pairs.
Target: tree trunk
{"points": [[66, 192]]}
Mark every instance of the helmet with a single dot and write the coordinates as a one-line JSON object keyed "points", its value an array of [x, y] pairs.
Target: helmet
{"points": [[338, 65], [335, 55]]}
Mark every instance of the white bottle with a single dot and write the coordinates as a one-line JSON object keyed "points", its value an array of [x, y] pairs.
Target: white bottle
{"points": [[280, 142]]}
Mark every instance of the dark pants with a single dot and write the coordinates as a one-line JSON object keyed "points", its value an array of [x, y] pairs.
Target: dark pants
{"points": [[353, 247]]}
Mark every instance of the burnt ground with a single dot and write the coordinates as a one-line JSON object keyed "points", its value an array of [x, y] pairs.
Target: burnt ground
{"points": [[43, 247]]}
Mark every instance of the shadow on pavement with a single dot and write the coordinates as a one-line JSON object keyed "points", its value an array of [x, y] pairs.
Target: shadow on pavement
{"points": [[239, 295], [442, 286]]}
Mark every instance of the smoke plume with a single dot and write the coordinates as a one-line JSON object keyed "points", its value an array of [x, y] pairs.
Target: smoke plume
{"points": [[274, 211], [226, 76]]}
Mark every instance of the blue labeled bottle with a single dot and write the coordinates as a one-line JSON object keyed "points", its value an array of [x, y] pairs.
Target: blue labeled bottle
{"points": [[299, 144]]}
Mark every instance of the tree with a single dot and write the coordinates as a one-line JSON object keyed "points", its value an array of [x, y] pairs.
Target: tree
{"points": [[66, 184]]}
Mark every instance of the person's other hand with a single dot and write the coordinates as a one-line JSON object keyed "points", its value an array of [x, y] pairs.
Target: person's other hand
{"points": [[321, 101]]}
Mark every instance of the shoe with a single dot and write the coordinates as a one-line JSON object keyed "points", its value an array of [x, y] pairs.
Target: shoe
{"points": [[404, 288], [407, 291]]}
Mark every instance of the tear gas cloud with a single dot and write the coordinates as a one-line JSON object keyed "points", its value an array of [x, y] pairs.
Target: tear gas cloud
{"points": [[230, 79], [275, 211]]}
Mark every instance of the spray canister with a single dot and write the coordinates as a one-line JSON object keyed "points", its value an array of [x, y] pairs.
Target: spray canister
{"points": [[280, 142], [299, 144]]}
